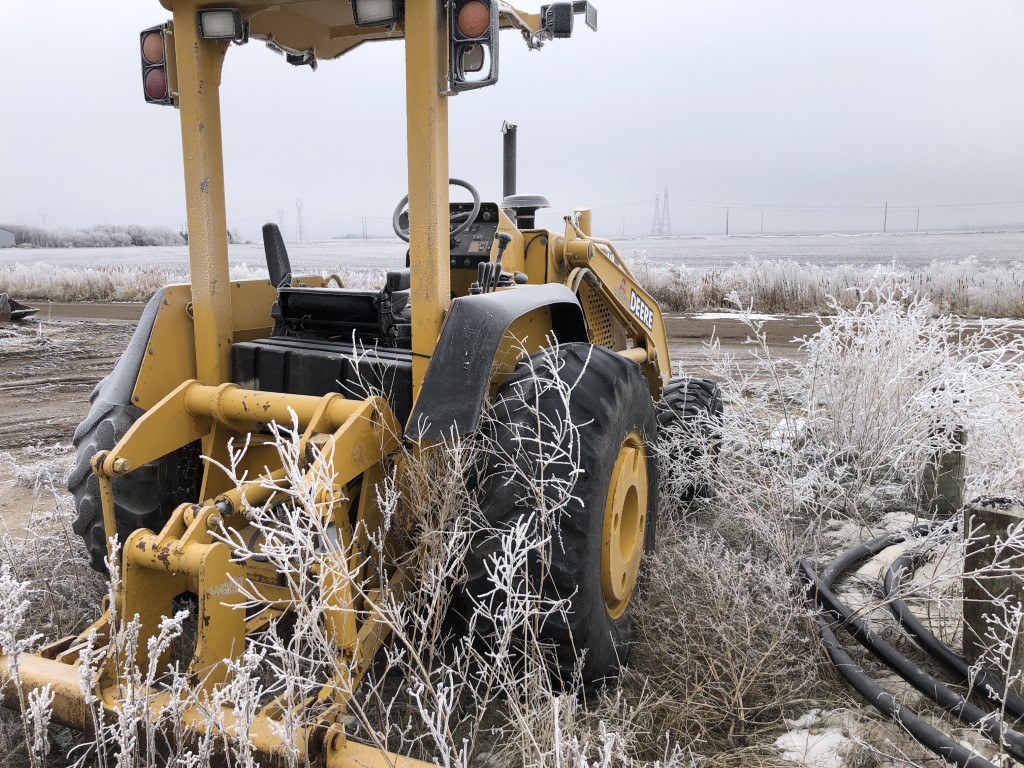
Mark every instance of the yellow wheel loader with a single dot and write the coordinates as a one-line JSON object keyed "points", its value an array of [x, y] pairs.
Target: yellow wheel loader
{"points": [[488, 306]]}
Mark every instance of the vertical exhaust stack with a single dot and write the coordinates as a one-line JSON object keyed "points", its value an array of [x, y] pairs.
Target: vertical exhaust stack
{"points": [[509, 159], [522, 209]]}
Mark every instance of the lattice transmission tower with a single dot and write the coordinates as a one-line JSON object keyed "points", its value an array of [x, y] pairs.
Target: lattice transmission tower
{"points": [[298, 220], [666, 217], [656, 224]]}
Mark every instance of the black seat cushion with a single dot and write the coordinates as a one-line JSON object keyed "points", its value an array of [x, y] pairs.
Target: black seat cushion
{"points": [[328, 309]]}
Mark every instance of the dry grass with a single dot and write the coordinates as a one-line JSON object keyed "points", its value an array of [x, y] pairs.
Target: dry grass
{"points": [[721, 671]]}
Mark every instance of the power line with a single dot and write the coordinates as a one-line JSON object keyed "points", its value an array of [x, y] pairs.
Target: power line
{"points": [[824, 208]]}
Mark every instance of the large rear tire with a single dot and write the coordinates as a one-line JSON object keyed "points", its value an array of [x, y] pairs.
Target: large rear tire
{"points": [[690, 412], [144, 498], [607, 522]]}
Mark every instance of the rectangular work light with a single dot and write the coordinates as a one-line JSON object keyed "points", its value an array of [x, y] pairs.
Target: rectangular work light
{"points": [[375, 13], [557, 18], [220, 24]]}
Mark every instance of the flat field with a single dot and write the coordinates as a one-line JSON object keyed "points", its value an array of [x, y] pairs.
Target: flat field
{"points": [[913, 252]]}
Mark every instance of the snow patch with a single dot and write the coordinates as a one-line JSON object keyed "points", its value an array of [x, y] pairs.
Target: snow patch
{"points": [[790, 432], [874, 570], [733, 316], [818, 739]]}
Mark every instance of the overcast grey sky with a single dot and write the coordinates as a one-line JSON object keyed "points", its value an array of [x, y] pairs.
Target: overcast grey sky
{"points": [[813, 113]]}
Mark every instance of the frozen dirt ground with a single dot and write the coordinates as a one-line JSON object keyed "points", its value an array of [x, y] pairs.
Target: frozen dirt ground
{"points": [[50, 364], [48, 368]]}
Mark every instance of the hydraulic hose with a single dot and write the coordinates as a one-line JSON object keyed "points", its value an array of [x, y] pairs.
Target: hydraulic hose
{"points": [[819, 592], [965, 712], [885, 702], [980, 682]]}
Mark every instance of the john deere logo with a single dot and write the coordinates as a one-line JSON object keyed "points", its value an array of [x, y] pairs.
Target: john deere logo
{"points": [[639, 308]]}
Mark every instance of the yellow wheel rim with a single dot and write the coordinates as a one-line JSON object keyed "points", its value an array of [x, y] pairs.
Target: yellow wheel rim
{"points": [[625, 520]]}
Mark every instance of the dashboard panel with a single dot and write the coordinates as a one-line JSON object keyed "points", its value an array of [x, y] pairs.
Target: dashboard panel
{"points": [[473, 246]]}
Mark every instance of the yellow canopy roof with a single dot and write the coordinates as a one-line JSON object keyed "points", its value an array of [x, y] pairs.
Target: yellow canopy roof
{"points": [[325, 27]]}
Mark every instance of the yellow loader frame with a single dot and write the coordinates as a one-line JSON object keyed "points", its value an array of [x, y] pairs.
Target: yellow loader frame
{"points": [[184, 386]]}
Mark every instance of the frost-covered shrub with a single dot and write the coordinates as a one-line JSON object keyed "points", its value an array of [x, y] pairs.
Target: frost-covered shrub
{"points": [[872, 398], [887, 383], [127, 282], [783, 285], [98, 236]]}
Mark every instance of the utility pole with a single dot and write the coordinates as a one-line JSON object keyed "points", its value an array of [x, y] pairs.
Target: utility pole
{"points": [[917, 227], [726, 222], [885, 219], [762, 223]]}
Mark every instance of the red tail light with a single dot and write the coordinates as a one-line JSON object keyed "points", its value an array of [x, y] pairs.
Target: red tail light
{"points": [[156, 85]]}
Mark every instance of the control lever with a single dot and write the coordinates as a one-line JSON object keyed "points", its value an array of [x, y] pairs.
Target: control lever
{"points": [[503, 238], [477, 287]]}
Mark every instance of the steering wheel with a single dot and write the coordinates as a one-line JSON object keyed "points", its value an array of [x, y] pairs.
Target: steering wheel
{"points": [[459, 222]]}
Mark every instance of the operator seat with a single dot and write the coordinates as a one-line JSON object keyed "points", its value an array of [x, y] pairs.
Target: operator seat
{"points": [[355, 342], [376, 317]]}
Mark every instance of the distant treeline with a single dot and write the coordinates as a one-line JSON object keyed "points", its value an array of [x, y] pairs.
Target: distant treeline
{"points": [[98, 236]]}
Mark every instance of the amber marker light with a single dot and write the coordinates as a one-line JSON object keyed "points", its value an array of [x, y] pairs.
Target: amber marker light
{"points": [[153, 48], [474, 19]]}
